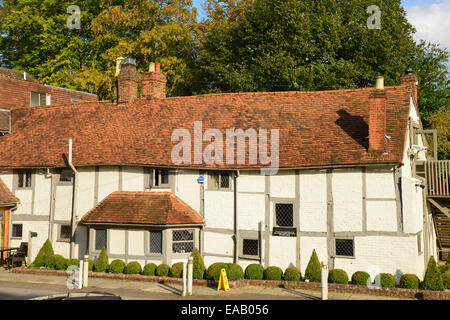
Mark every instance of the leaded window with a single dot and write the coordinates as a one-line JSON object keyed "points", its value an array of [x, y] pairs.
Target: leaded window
{"points": [[100, 239], [284, 213], [182, 241], [344, 247], [156, 242]]}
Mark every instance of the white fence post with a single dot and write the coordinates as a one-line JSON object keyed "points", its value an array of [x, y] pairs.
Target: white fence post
{"points": [[85, 270], [184, 279], [190, 275], [324, 280], [80, 274]]}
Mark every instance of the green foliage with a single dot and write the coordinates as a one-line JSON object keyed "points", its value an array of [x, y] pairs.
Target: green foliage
{"points": [[213, 271], [338, 276], [254, 271], [273, 273], [73, 262], [234, 271], [177, 270], [90, 264], [132, 267], [101, 265], [447, 262], [117, 266], [312, 272], [409, 281], [44, 254], [57, 262], [432, 279], [446, 279], [162, 270], [292, 274], [149, 269], [199, 265], [360, 278], [387, 280], [443, 267]]}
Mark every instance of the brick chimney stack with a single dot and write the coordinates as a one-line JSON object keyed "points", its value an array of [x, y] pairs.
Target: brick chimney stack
{"points": [[410, 79], [377, 117], [126, 83], [154, 83]]}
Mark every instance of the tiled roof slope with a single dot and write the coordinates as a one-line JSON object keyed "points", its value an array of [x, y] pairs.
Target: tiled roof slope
{"points": [[16, 74], [6, 196], [150, 208], [315, 128]]}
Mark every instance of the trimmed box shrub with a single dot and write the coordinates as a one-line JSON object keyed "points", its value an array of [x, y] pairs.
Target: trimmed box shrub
{"points": [[292, 274], [387, 280], [44, 255], [338, 276], [117, 266], [360, 278], [132, 267], [162, 270], [149, 269], [101, 265], [57, 262], [312, 272], [254, 271], [213, 271], [433, 279], [273, 273], [409, 281], [199, 265], [177, 270], [234, 271], [446, 279]]}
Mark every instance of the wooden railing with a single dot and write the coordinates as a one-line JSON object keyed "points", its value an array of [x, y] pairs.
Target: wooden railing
{"points": [[437, 174]]}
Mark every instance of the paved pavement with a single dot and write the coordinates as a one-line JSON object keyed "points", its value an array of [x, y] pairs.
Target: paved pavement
{"points": [[15, 286]]}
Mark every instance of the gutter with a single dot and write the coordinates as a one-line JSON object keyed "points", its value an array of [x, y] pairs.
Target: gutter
{"points": [[142, 225], [74, 201]]}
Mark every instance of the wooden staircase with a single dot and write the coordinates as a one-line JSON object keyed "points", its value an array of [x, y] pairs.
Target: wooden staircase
{"points": [[442, 225]]}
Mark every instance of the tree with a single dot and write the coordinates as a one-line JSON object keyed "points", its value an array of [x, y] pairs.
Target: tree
{"points": [[313, 269], [433, 278], [101, 265], [45, 253]]}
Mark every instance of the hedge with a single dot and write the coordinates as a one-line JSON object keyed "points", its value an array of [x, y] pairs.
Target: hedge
{"points": [[254, 271], [292, 274], [149, 269], [73, 262], [101, 265], [177, 270], [234, 271], [338, 276], [132, 267], [162, 270], [446, 279], [273, 273], [312, 272], [360, 278], [432, 279], [57, 262], [409, 281], [387, 280], [117, 266], [213, 271]]}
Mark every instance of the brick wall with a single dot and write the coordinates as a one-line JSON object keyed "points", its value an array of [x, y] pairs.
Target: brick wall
{"points": [[15, 93]]}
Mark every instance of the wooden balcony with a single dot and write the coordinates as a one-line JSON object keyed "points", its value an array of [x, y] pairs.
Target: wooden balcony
{"points": [[437, 175]]}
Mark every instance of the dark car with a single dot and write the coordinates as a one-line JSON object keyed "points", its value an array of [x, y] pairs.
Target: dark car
{"points": [[80, 296]]}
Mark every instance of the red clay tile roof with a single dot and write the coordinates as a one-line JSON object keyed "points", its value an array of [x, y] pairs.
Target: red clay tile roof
{"points": [[6, 196], [150, 208], [315, 128]]}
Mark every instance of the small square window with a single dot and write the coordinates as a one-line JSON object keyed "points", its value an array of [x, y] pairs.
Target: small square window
{"points": [[39, 99], [100, 239], [24, 179], [156, 242], [250, 247], [17, 230], [65, 175], [161, 177], [65, 232], [219, 180], [284, 213], [344, 247]]}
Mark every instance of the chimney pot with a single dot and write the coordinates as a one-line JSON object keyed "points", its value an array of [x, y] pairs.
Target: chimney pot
{"points": [[157, 68], [118, 62], [379, 85], [151, 68], [154, 83]]}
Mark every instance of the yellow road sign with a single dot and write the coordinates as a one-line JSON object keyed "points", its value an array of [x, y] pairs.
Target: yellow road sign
{"points": [[223, 281]]}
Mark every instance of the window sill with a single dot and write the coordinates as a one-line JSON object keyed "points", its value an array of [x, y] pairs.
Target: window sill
{"points": [[345, 257], [254, 258], [16, 238], [63, 240]]}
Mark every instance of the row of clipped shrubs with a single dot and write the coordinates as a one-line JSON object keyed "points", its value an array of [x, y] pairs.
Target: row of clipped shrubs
{"points": [[436, 278]]}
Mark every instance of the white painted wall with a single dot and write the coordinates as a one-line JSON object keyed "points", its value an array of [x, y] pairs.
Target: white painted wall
{"points": [[42, 194], [313, 200], [219, 209], [132, 178], [218, 243], [108, 181], [136, 242], [251, 208], [307, 245], [63, 202], [188, 188], [116, 241], [282, 252], [282, 185]]}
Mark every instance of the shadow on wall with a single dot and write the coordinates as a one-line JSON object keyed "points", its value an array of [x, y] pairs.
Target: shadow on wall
{"points": [[354, 126]]}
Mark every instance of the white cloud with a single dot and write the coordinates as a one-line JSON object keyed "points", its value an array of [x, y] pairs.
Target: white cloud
{"points": [[432, 22]]}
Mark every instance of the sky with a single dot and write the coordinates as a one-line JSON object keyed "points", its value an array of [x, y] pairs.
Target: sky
{"points": [[431, 18]]}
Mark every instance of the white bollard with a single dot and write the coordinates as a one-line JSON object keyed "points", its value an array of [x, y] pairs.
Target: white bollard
{"points": [[85, 270], [80, 275], [184, 279], [324, 280], [190, 275]]}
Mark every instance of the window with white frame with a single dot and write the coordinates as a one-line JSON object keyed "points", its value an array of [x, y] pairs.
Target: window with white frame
{"points": [[39, 99], [155, 242], [17, 230], [100, 239], [284, 215], [182, 241], [345, 247]]}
